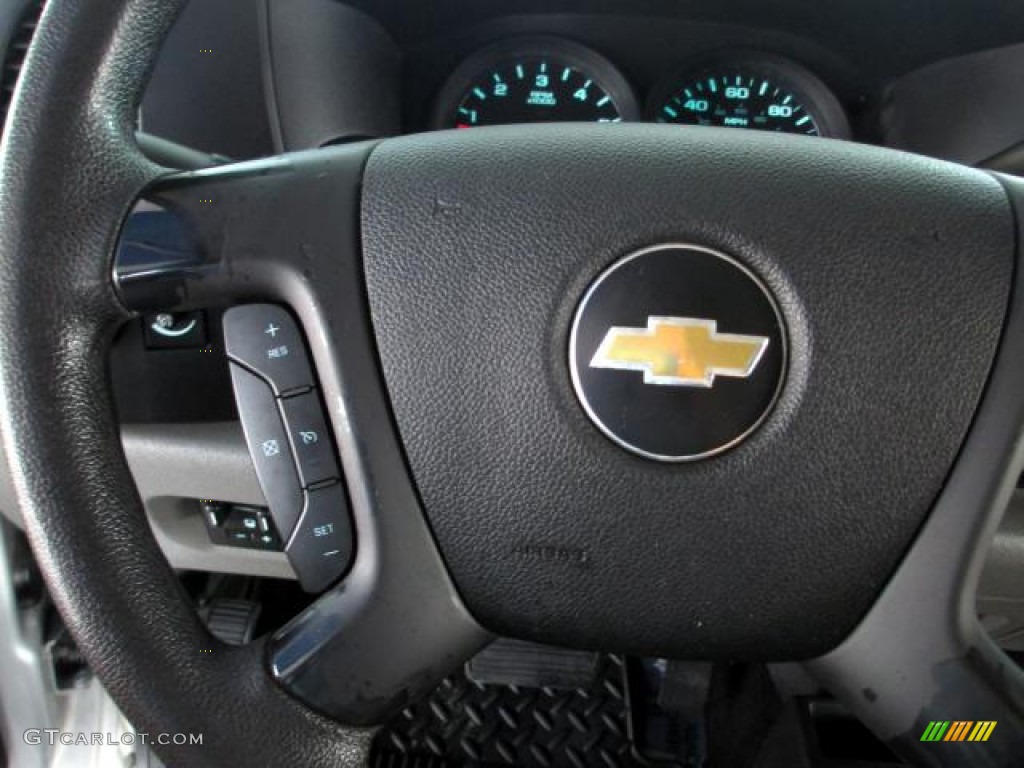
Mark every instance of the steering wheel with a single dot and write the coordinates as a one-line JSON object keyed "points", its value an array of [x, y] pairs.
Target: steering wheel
{"points": [[481, 309]]}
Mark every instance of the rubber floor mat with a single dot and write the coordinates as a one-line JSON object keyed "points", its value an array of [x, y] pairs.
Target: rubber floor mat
{"points": [[464, 723]]}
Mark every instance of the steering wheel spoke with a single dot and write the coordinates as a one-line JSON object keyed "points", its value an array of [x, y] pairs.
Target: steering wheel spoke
{"points": [[241, 232], [920, 655], [286, 230]]}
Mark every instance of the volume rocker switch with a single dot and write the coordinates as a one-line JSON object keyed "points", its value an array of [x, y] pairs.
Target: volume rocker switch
{"points": [[268, 445], [265, 339]]}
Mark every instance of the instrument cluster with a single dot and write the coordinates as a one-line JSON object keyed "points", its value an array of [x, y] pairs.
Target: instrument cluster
{"points": [[546, 79]]}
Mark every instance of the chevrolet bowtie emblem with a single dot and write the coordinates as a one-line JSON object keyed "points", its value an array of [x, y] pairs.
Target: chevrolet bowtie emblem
{"points": [[680, 352]]}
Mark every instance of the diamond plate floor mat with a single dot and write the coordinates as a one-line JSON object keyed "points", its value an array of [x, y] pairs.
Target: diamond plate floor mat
{"points": [[465, 723]]}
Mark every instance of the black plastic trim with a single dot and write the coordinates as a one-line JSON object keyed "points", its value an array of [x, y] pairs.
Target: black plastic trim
{"points": [[331, 74]]}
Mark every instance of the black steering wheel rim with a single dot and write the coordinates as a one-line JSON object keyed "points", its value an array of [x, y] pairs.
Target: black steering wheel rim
{"points": [[95, 58], [66, 182]]}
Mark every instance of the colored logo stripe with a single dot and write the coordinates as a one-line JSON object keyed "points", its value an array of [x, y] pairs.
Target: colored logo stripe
{"points": [[982, 730], [935, 730], [958, 730]]}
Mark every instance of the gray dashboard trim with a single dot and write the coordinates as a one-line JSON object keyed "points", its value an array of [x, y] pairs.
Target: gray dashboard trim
{"points": [[172, 464], [175, 464]]}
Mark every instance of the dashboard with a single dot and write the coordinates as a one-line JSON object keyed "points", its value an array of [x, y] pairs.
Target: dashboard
{"points": [[935, 78]]}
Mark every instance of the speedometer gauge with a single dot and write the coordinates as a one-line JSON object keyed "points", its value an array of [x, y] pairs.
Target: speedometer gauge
{"points": [[534, 81], [759, 93]]}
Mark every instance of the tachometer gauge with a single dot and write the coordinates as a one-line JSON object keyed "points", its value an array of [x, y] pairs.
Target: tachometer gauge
{"points": [[534, 81], [759, 93]]}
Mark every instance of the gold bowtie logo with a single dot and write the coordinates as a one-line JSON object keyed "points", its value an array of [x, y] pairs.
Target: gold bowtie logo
{"points": [[680, 352]]}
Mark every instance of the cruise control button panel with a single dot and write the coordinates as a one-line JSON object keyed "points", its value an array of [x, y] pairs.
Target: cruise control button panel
{"points": [[321, 547], [265, 339], [290, 442]]}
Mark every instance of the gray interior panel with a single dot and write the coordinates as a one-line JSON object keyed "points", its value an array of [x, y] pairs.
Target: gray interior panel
{"points": [[1001, 591], [173, 465]]}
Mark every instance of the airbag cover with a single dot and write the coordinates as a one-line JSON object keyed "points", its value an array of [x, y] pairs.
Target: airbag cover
{"points": [[891, 273]]}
